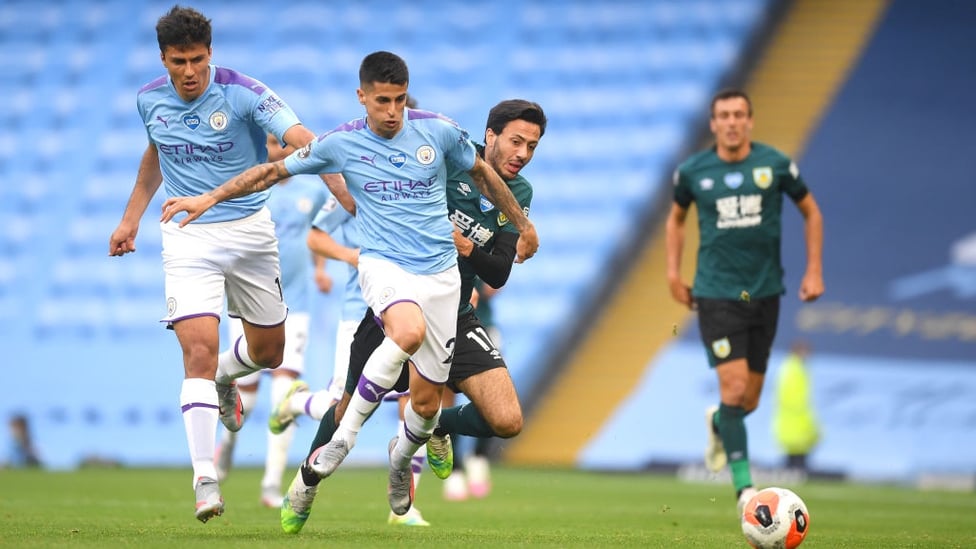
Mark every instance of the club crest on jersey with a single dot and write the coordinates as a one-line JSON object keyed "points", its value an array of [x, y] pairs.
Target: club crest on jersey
{"points": [[763, 177], [486, 204], [706, 184], [502, 219], [426, 155], [191, 121], [733, 180], [218, 121], [721, 347], [398, 160]]}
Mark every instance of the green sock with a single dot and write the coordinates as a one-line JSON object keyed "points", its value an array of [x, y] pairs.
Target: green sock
{"points": [[463, 420], [732, 430], [327, 428], [741, 476]]}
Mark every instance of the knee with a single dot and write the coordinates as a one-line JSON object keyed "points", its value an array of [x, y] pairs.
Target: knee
{"points": [[426, 408], [410, 338], [749, 404], [200, 360], [507, 426], [269, 354]]}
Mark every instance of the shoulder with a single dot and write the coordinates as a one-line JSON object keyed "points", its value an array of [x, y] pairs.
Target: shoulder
{"points": [[153, 86], [521, 188], [698, 160], [235, 81], [770, 154], [345, 130], [427, 117]]}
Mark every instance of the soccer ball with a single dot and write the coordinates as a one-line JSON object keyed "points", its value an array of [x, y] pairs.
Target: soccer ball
{"points": [[775, 518]]}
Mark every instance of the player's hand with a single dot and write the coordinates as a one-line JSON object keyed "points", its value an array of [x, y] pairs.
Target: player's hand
{"points": [[812, 287], [323, 281], [123, 240], [528, 244], [681, 293], [461, 242], [194, 206]]}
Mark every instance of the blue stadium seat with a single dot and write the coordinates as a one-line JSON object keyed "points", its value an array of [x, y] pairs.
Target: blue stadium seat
{"points": [[621, 82]]}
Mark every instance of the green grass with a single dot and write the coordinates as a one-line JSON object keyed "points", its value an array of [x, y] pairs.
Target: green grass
{"points": [[528, 508]]}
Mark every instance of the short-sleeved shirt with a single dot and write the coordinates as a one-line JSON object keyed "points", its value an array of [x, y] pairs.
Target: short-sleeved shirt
{"points": [[205, 142], [398, 185], [294, 204], [334, 219], [479, 220], [739, 219]]}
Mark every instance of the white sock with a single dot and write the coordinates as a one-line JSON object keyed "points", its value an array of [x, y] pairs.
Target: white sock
{"points": [[235, 362], [277, 456], [198, 400], [417, 464], [249, 399], [413, 434], [379, 375], [314, 405]]}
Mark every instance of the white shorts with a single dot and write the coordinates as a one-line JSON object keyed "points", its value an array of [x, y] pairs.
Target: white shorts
{"points": [[345, 333], [437, 295], [201, 261], [296, 340]]}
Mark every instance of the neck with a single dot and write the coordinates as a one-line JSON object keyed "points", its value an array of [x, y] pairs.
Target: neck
{"points": [[737, 154]]}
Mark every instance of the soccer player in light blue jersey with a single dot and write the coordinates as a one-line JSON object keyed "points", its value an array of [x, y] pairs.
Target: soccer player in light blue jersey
{"points": [[293, 204], [394, 162], [206, 123]]}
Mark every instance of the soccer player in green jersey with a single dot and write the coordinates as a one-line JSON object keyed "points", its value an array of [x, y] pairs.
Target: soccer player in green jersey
{"points": [[738, 187]]}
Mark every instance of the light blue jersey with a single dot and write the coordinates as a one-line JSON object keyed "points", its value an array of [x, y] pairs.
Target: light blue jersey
{"points": [[294, 204], [213, 138], [331, 219], [398, 185]]}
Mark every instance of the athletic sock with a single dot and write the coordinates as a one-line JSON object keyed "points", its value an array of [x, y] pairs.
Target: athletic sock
{"points": [[732, 430], [463, 420], [417, 465], [327, 428], [414, 432], [198, 400], [235, 362], [380, 373], [249, 400], [314, 405], [277, 457]]}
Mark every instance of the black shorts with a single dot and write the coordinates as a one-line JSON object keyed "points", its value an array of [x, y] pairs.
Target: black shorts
{"points": [[732, 329], [368, 337], [474, 352]]}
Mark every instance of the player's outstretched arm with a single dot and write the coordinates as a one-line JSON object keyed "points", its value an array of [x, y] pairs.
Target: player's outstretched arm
{"points": [[492, 185], [255, 179], [674, 241], [148, 179], [812, 285]]}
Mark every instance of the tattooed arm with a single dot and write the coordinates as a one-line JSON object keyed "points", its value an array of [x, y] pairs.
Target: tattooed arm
{"points": [[255, 179]]}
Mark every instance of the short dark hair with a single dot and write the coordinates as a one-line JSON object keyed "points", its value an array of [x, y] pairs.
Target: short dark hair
{"points": [[182, 27], [383, 67], [729, 93], [516, 109]]}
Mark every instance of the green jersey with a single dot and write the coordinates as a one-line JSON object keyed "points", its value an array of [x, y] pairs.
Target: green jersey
{"points": [[739, 219], [479, 220]]}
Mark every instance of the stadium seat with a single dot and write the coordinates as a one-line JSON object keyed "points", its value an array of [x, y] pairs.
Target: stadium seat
{"points": [[620, 80]]}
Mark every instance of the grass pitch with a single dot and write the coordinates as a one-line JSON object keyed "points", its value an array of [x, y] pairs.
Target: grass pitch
{"points": [[527, 508]]}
